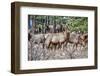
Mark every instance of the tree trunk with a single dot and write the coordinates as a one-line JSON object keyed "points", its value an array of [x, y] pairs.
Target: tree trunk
{"points": [[33, 24]]}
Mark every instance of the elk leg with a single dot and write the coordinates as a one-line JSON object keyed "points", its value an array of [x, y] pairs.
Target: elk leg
{"points": [[76, 46], [62, 45], [58, 45]]}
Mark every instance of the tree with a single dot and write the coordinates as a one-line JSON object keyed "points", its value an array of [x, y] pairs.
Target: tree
{"points": [[40, 23]]}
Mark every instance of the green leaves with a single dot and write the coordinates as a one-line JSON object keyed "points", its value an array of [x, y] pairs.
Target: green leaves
{"points": [[73, 23], [78, 24]]}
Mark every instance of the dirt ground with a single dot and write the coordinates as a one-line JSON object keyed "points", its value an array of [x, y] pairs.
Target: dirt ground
{"points": [[37, 52]]}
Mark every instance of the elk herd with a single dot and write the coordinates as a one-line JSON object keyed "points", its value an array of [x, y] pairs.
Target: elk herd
{"points": [[59, 39]]}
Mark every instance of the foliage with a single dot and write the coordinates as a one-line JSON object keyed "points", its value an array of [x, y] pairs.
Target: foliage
{"points": [[73, 23], [78, 24]]}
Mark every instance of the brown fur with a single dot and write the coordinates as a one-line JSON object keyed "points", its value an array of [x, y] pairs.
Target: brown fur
{"points": [[56, 39]]}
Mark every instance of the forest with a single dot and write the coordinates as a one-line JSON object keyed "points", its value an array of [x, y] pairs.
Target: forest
{"points": [[57, 37], [41, 23]]}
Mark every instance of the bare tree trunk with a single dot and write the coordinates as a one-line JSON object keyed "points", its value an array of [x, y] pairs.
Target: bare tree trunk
{"points": [[47, 23], [33, 24], [54, 24]]}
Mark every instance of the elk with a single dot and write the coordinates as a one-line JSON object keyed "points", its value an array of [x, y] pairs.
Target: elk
{"points": [[73, 39], [77, 39], [57, 39], [84, 39]]}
